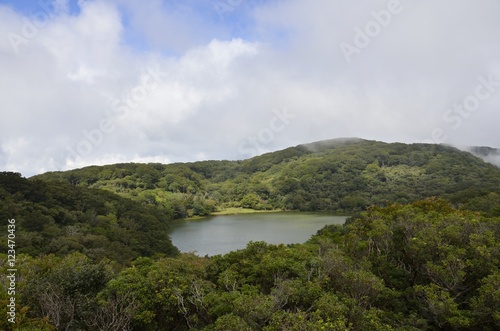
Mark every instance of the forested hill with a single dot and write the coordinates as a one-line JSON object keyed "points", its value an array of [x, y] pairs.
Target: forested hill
{"points": [[342, 175], [426, 265], [57, 218]]}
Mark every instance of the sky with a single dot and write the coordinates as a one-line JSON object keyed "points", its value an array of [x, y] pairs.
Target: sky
{"points": [[94, 82]]}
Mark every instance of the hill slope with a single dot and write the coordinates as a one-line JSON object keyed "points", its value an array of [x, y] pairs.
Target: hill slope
{"points": [[60, 219], [488, 154], [343, 175]]}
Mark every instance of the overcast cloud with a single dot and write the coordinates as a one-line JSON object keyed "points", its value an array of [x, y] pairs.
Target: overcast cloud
{"points": [[106, 81]]}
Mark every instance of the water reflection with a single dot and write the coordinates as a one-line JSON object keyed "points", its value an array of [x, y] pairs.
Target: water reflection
{"points": [[222, 234]]}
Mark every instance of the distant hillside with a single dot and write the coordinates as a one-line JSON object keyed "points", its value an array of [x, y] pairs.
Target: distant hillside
{"points": [[341, 175], [57, 218], [488, 154]]}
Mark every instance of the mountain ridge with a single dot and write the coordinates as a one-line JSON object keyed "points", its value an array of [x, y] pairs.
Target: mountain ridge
{"points": [[486, 153], [344, 175]]}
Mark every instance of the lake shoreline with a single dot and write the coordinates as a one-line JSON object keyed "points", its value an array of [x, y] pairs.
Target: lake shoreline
{"points": [[231, 211], [221, 234], [239, 211], [246, 211]]}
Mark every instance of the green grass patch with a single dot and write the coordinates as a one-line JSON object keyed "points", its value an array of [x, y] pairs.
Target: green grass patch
{"points": [[235, 210]]}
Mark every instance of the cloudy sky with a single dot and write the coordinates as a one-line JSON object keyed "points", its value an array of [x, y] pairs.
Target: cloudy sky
{"points": [[106, 81]]}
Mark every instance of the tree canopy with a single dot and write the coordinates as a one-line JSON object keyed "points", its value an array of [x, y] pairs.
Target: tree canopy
{"points": [[345, 176], [421, 251], [58, 218], [419, 266]]}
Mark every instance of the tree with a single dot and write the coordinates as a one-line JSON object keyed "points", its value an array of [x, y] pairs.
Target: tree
{"points": [[251, 200]]}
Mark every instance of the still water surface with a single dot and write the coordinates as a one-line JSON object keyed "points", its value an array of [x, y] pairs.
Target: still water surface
{"points": [[222, 234]]}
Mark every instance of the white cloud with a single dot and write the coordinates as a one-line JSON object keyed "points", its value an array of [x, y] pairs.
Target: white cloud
{"points": [[215, 90]]}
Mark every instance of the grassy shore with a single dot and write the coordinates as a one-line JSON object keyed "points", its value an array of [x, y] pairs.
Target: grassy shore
{"points": [[235, 211]]}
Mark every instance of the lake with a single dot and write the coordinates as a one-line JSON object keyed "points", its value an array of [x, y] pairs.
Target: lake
{"points": [[222, 234]]}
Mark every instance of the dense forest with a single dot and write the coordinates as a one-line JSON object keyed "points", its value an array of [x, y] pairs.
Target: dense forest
{"points": [[421, 251], [420, 266], [57, 218], [342, 175]]}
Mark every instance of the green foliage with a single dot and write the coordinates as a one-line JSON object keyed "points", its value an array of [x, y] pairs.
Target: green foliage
{"points": [[420, 266], [486, 305], [58, 218], [94, 252], [340, 175], [404, 267], [57, 293]]}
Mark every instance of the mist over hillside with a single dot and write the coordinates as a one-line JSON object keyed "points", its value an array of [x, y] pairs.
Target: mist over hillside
{"points": [[489, 154]]}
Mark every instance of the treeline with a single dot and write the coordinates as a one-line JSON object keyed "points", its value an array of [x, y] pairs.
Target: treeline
{"points": [[58, 218], [339, 175], [420, 266]]}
